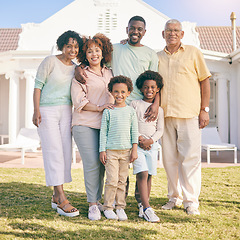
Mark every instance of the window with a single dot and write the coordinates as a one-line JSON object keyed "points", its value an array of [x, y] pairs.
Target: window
{"points": [[213, 103], [107, 21]]}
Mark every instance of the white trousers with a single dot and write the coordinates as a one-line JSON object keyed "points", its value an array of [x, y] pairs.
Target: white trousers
{"points": [[56, 142], [181, 144]]}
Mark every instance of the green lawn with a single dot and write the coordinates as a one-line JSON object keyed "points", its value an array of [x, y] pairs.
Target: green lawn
{"points": [[25, 209]]}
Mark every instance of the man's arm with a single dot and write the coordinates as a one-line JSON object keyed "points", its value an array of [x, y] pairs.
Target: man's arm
{"points": [[205, 97], [152, 111]]}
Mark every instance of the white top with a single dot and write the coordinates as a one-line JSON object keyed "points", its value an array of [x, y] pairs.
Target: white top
{"points": [[54, 79], [148, 130]]}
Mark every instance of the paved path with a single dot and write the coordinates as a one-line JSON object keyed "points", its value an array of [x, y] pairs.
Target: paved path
{"points": [[34, 160]]}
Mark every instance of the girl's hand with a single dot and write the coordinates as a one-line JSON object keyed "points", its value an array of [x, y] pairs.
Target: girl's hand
{"points": [[103, 157], [145, 144], [36, 119], [107, 105]]}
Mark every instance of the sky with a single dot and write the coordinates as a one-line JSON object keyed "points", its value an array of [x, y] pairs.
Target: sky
{"points": [[13, 13]]}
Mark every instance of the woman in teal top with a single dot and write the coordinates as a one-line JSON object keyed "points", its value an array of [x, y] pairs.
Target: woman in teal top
{"points": [[53, 116]]}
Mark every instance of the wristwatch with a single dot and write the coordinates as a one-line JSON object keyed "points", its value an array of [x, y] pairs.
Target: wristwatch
{"points": [[206, 109]]}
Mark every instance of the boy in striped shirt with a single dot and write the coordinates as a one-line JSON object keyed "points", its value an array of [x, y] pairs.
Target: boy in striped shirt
{"points": [[118, 146]]}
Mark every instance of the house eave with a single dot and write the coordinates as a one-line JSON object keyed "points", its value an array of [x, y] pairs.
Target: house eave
{"points": [[216, 56], [23, 54]]}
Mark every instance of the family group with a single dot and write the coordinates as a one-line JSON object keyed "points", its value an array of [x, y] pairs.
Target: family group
{"points": [[117, 103]]}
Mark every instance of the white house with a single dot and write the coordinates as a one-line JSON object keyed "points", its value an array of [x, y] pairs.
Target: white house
{"points": [[22, 50]]}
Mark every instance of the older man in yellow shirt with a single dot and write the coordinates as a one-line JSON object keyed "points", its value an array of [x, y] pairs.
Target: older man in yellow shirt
{"points": [[185, 100]]}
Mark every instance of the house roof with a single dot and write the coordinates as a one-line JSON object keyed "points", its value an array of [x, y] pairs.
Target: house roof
{"points": [[9, 38], [213, 38], [216, 38]]}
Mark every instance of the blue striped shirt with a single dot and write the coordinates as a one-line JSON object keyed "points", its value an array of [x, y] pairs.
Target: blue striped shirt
{"points": [[119, 129]]}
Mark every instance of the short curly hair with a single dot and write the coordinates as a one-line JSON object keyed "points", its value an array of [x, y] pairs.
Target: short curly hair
{"points": [[137, 18], [64, 39], [120, 79], [149, 75], [102, 42]]}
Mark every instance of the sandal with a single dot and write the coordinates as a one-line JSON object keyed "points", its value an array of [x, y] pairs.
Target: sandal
{"points": [[54, 203], [68, 211]]}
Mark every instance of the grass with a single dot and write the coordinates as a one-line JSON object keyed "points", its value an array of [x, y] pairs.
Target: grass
{"points": [[25, 210]]}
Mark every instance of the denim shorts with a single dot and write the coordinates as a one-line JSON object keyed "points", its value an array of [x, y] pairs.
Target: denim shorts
{"points": [[147, 160]]}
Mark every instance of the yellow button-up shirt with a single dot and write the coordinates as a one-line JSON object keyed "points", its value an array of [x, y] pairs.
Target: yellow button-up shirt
{"points": [[182, 72]]}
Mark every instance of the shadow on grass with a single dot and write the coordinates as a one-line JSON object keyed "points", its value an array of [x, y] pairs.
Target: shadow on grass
{"points": [[23, 200], [220, 203], [108, 231], [28, 210]]}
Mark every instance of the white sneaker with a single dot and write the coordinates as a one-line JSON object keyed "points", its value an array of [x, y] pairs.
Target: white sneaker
{"points": [[150, 215], [192, 210], [170, 205], [140, 206], [94, 213], [110, 214], [122, 216]]}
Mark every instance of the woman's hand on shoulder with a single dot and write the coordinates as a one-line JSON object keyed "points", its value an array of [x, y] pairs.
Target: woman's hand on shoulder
{"points": [[80, 74], [106, 105]]}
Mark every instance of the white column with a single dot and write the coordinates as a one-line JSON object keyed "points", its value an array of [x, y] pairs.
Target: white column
{"points": [[222, 105], [30, 76], [13, 121], [238, 104]]}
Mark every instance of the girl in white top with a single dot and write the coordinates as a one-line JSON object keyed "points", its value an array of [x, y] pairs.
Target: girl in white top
{"points": [[149, 83], [53, 115]]}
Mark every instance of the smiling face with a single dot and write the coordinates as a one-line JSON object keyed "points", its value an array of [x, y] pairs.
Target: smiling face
{"points": [[94, 55], [135, 30], [120, 93], [173, 34], [149, 90], [70, 50]]}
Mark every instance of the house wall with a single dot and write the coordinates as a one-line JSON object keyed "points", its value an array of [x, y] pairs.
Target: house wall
{"points": [[234, 104], [39, 40]]}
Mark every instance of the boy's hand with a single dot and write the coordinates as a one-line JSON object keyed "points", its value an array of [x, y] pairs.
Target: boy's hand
{"points": [[80, 74], [103, 157], [145, 144], [151, 112], [134, 154]]}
